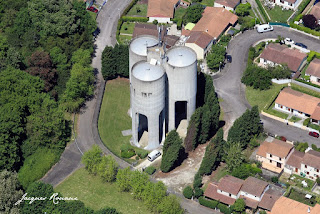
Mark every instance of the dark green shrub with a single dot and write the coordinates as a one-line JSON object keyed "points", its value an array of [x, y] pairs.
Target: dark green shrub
{"points": [[208, 203], [127, 151], [134, 19], [198, 192], [263, 12], [155, 22], [150, 170], [179, 24], [224, 208], [275, 179], [141, 153], [197, 182], [188, 192]]}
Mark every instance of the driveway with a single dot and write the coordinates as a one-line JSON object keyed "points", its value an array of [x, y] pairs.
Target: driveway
{"points": [[229, 87]]}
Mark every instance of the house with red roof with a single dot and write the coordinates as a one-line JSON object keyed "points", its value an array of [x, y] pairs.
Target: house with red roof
{"points": [[161, 10], [288, 4], [313, 71]]}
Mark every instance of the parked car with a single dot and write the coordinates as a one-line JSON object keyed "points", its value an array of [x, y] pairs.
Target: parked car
{"points": [[229, 58], [153, 155], [264, 28], [314, 134], [301, 45], [288, 41], [283, 138], [92, 9]]}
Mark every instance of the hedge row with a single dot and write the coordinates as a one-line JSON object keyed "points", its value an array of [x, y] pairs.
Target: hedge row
{"points": [[305, 29], [312, 55], [308, 83], [215, 204], [303, 5], [134, 19], [263, 12]]}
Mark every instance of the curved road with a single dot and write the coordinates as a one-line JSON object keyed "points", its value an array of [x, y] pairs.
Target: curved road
{"points": [[229, 87]]}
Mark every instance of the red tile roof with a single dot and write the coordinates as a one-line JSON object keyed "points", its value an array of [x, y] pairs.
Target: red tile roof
{"points": [[250, 202], [295, 159], [211, 192], [281, 54], [228, 3], [161, 8], [276, 147], [215, 20], [300, 101], [312, 158], [269, 198], [315, 11], [254, 186], [147, 29], [202, 39], [314, 68], [286, 205], [230, 184]]}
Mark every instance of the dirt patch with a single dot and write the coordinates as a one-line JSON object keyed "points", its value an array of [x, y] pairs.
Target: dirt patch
{"points": [[183, 175]]}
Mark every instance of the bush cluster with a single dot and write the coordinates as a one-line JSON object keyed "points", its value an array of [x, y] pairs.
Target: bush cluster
{"points": [[305, 29], [127, 151], [134, 19], [188, 192], [215, 204], [150, 170], [245, 170], [312, 55]]}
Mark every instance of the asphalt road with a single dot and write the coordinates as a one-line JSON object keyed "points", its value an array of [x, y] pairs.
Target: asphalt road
{"points": [[229, 87]]}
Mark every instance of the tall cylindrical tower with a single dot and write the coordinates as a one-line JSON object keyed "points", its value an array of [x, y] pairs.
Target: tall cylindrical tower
{"points": [[148, 103], [138, 49], [181, 69]]}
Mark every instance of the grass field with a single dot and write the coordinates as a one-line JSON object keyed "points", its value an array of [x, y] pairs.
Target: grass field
{"points": [[278, 15], [179, 12], [297, 196], [124, 39], [262, 98], [127, 27], [294, 119], [305, 90], [134, 10], [113, 114], [208, 3], [97, 194]]}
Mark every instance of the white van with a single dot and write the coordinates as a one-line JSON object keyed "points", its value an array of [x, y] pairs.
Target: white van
{"points": [[264, 28], [153, 155]]}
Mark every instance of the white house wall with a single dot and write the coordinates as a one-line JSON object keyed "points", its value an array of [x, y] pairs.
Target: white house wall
{"points": [[288, 5], [160, 19], [199, 51], [227, 194], [226, 7]]}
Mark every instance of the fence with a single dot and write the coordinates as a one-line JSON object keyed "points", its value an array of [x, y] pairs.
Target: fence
{"points": [[279, 23]]}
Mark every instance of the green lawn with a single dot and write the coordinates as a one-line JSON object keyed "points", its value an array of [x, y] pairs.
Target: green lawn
{"points": [[298, 179], [262, 98], [305, 90], [314, 126], [297, 196], [294, 119], [208, 3], [97, 194], [278, 15], [127, 27], [124, 39], [113, 114], [178, 14], [134, 10]]}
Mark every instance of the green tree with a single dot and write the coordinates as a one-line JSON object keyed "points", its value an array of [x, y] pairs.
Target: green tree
{"points": [[216, 57], [188, 192], [280, 71], [193, 14], [82, 57], [239, 206], [123, 180], [153, 195], [138, 182], [257, 77], [243, 9], [246, 127], [234, 156], [10, 192], [92, 159], [107, 210], [79, 87], [212, 155], [107, 168], [170, 205], [173, 152], [109, 63]]}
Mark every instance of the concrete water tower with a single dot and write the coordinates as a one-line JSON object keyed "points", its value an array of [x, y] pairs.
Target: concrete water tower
{"points": [[181, 69], [148, 103]]}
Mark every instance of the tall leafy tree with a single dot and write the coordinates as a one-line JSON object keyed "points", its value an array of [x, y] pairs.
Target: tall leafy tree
{"points": [[10, 192], [234, 156], [173, 151], [154, 194], [40, 64], [193, 13], [216, 57], [92, 158], [170, 205], [107, 168]]}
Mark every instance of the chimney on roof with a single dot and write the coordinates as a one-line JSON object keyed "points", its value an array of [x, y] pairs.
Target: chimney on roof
{"points": [[207, 30], [308, 209]]}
